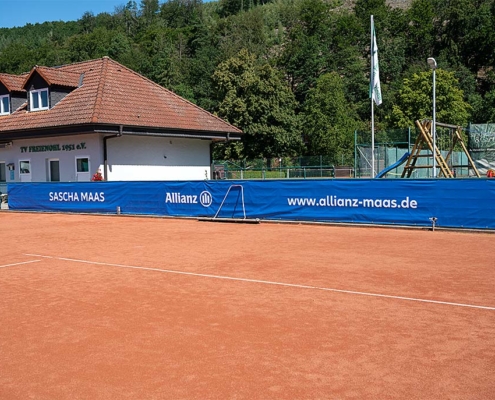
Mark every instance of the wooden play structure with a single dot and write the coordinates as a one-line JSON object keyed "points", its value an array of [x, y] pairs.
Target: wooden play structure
{"points": [[424, 141]]}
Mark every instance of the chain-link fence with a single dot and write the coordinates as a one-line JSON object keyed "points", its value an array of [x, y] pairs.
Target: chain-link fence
{"points": [[309, 167], [392, 145]]}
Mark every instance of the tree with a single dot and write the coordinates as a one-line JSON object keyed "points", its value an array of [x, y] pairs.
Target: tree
{"points": [[253, 97], [347, 52], [304, 57], [365, 8], [243, 31], [87, 22], [203, 59], [232, 7], [149, 10], [181, 13], [128, 15], [86, 47], [119, 46], [414, 100], [329, 120], [479, 39], [420, 34], [16, 58], [181, 43], [489, 107]]}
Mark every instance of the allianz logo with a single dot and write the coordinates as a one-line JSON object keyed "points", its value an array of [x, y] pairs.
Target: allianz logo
{"points": [[205, 198]]}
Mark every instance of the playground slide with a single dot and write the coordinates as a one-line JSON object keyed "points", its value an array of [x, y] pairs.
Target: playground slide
{"points": [[400, 161]]}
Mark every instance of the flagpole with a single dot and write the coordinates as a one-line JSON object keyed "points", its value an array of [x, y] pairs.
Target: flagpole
{"points": [[372, 106], [372, 140], [375, 91]]}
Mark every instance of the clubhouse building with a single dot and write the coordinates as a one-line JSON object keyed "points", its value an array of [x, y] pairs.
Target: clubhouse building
{"points": [[63, 124]]}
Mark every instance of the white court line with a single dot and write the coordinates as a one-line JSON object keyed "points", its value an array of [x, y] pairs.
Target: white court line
{"points": [[19, 263], [292, 285]]}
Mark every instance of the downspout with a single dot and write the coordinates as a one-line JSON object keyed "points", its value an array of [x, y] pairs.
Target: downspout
{"points": [[105, 146]]}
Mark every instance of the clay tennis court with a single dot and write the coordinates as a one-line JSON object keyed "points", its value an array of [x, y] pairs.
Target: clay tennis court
{"points": [[117, 307]]}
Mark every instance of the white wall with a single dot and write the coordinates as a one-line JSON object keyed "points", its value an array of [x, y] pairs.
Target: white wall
{"points": [[28, 149], [130, 158], [140, 158]]}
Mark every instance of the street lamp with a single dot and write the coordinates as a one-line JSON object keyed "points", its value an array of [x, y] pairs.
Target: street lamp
{"points": [[433, 65]]}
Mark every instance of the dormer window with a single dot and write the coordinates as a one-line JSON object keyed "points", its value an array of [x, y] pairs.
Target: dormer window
{"points": [[39, 99], [4, 104]]}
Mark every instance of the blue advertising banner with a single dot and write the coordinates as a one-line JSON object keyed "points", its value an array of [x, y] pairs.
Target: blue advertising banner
{"points": [[459, 203]]}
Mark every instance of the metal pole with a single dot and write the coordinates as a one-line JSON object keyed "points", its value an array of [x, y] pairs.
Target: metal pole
{"points": [[355, 152], [433, 65], [372, 110], [372, 140], [434, 126]]}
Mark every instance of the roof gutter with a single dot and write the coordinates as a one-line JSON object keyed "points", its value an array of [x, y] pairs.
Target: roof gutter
{"points": [[105, 151], [224, 136]]}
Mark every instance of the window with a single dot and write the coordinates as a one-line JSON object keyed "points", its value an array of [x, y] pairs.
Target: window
{"points": [[4, 105], [39, 99], [82, 164]]}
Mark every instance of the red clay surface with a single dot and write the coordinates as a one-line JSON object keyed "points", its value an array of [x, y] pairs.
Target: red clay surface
{"points": [[115, 307]]}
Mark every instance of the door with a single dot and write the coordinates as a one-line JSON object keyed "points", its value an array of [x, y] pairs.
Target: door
{"points": [[3, 179], [82, 169], [25, 170], [54, 170]]}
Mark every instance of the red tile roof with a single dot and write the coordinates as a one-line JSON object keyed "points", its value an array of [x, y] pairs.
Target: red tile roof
{"points": [[56, 76], [113, 94], [13, 83]]}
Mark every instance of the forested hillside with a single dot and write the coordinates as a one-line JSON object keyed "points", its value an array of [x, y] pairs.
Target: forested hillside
{"points": [[292, 74]]}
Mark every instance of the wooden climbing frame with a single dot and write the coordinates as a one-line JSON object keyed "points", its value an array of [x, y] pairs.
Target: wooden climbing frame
{"points": [[425, 141]]}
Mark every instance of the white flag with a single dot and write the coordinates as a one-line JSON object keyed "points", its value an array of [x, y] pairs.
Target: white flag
{"points": [[375, 91]]}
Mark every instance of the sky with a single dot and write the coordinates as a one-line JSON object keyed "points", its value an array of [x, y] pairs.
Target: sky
{"points": [[21, 12]]}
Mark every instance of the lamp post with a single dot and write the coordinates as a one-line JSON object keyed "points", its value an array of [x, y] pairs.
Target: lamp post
{"points": [[433, 65]]}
